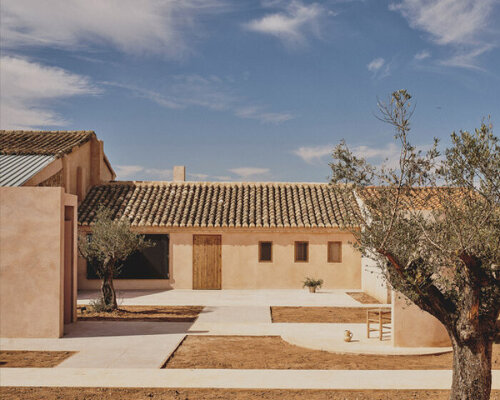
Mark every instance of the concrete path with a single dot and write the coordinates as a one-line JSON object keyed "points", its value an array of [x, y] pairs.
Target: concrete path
{"points": [[234, 298], [106, 344], [244, 379]]}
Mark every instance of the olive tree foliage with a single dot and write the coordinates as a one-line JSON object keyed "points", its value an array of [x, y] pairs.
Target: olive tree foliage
{"points": [[109, 245], [432, 223]]}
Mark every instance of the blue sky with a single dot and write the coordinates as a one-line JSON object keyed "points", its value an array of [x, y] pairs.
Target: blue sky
{"points": [[246, 90]]}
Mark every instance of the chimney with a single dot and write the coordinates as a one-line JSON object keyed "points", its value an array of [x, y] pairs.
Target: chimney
{"points": [[179, 173]]}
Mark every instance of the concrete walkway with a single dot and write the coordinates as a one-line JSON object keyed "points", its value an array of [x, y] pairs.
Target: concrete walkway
{"points": [[105, 344], [227, 378], [234, 298]]}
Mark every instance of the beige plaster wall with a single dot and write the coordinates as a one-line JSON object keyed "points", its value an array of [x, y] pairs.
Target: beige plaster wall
{"points": [[31, 261], [373, 282], [413, 327], [240, 266], [89, 157]]}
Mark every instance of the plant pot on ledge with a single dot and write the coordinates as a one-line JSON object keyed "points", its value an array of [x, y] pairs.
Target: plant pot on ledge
{"points": [[312, 289]]}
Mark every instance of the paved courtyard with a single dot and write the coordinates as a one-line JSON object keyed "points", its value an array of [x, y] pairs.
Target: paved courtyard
{"points": [[112, 353]]}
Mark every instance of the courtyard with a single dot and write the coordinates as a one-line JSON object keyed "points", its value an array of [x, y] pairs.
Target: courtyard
{"points": [[232, 344]]}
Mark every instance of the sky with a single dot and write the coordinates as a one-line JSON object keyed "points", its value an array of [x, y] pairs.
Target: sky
{"points": [[246, 90]]}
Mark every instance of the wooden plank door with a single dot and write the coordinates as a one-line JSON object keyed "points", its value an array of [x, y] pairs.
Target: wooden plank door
{"points": [[206, 262]]}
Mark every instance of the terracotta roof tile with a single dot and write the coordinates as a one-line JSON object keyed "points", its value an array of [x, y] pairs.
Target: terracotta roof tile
{"points": [[418, 198], [206, 204], [54, 143]]}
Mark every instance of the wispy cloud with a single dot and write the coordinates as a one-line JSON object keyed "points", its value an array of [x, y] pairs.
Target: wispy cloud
{"points": [[151, 26], [29, 89], [212, 93], [317, 154], [292, 24], [314, 154], [139, 172], [422, 55], [379, 67], [255, 112], [460, 24], [249, 172]]}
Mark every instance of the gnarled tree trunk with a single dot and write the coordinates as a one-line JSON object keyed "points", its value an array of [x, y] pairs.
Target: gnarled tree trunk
{"points": [[108, 290], [471, 369]]}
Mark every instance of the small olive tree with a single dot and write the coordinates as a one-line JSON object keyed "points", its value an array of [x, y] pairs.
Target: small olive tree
{"points": [[109, 245], [439, 246]]}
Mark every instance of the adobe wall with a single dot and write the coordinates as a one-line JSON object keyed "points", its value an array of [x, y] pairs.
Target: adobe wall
{"points": [[240, 266], [413, 327], [81, 169], [31, 261], [373, 282]]}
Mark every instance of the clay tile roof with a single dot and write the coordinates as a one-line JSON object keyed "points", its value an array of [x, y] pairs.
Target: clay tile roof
{"points": [[54, 143], [417, 198], [211, 204]]}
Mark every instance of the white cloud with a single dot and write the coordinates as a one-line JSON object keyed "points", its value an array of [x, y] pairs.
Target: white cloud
{"points": [[461, 24], [254, 112], [199, 176], [149, 26], [376, 64], [422, 55], [314, 154], [317, 154], [212, 93], [29, 88], [138, 172], [249, 172], [467, 59], [292, 24], [379, 67]]}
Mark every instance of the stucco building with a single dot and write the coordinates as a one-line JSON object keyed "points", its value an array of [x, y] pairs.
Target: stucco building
{"points": [[230, 235], [43, 176]]}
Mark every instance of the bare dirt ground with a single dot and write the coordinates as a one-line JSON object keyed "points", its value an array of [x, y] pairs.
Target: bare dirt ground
{"points": [[363, 298], [339, 315], [142, 313], [32, 359], [53, 393], [272, 352]]}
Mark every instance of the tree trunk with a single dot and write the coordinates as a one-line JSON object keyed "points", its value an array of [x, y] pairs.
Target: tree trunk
{"points": [[108, 290], [471, 369]]}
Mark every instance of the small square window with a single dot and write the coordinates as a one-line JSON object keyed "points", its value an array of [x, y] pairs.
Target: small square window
{"points": [[301, 251], [335, 252], [265, 251]]}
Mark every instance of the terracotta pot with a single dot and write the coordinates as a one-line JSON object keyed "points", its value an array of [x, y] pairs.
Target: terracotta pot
{"points": [[347, 335], [312, 289]]}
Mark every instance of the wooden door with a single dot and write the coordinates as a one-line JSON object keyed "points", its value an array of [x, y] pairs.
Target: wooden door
{"points": [[206, 262]]}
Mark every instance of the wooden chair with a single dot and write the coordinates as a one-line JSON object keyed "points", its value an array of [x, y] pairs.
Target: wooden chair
{"points": [[382, 318]]}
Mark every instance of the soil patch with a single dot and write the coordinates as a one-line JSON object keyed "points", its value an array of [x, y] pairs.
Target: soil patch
{"points": [[272, 352], [32, 359], [363, 298], [141, 313], [84, 393], [340, 315]]}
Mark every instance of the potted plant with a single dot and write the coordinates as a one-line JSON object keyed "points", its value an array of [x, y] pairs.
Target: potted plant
{"points": [[312, 284]]}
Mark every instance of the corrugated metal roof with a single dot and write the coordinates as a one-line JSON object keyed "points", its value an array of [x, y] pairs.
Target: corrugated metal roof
{"points": [[16, 169]]}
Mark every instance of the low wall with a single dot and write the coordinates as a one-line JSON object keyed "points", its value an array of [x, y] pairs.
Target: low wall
{"points": [[413, 327], [32, 260], [373, 282]]}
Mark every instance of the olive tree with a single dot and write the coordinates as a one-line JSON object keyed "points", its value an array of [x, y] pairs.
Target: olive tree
{"points": [[109, 245], [432, 224]]}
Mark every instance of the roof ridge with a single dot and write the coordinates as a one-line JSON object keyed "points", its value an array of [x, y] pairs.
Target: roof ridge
{"points": [[222, 183]]}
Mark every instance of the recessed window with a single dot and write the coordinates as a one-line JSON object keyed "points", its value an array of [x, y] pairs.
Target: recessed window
{"points": [[301, 251], [265, 251], [335, 252]]}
